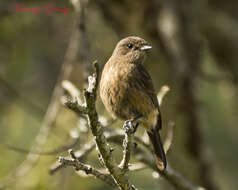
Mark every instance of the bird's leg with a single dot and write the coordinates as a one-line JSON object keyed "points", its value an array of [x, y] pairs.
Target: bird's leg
{"points": [[137, 124], [135, 127], [129, 124], [129, 129]]}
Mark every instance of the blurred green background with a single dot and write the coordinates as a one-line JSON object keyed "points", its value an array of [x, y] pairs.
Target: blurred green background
{"points": [[195, 45]]}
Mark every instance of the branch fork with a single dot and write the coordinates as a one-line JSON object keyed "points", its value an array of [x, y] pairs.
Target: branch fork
{"points": [[104, 149], [89, 170], [117, 173]]}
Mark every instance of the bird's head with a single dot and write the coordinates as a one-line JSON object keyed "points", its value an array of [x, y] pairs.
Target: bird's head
{"points": [[133, 49]]}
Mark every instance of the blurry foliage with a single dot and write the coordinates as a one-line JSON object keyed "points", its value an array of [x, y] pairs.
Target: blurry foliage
{"points": [[32, 49]]}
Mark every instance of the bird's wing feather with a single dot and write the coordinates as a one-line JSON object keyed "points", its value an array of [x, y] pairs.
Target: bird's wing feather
{"points": [[147, 84], [142, 81]]}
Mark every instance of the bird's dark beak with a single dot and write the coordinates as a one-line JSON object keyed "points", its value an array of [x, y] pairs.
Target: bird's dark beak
{"points": [[145, 48]]}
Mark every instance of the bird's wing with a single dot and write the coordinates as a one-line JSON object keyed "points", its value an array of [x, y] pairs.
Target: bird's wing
{"points": [[146, 83], [147, 97]]}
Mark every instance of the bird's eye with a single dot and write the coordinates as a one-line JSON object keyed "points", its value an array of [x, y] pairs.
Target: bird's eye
{"points": [[129, 45]]}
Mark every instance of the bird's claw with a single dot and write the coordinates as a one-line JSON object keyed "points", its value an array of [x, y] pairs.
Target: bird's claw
{"points": [[129, 127], [135, 127]]}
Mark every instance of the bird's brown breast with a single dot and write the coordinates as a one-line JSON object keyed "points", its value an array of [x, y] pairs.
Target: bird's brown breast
{"points": [[122, 92], [114, 89]]}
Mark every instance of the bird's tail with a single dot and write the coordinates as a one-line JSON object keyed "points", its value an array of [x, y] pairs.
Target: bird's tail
{"points": [[158, 149]]}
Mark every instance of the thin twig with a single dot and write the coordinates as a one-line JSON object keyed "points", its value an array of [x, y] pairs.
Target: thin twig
{"points": [[80, 7], [50, 152], [89, 147], [82, 154], [127, 145], [89, 170], [132, 168], [72, 90], [171, 175], [169, 137], [163, 91], [73, 105], [174, 177]]}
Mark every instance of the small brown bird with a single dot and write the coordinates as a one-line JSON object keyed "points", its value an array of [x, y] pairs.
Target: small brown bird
{"points": [[127, 91]]}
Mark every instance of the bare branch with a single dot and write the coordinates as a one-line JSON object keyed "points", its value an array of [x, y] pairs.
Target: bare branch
{"points": [[89, 170], [61, 149], [132, 168], [145, 158], [127, 145], [163, 91], [116, 136], [117, 174], [105, 150], [179, 181], [73, 105], [82, 154], [169, 138], [96, 128], [72, 90], [173, 177]]}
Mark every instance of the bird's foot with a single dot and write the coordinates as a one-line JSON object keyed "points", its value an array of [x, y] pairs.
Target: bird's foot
{"points": [[135, 127], [129, 127]]}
